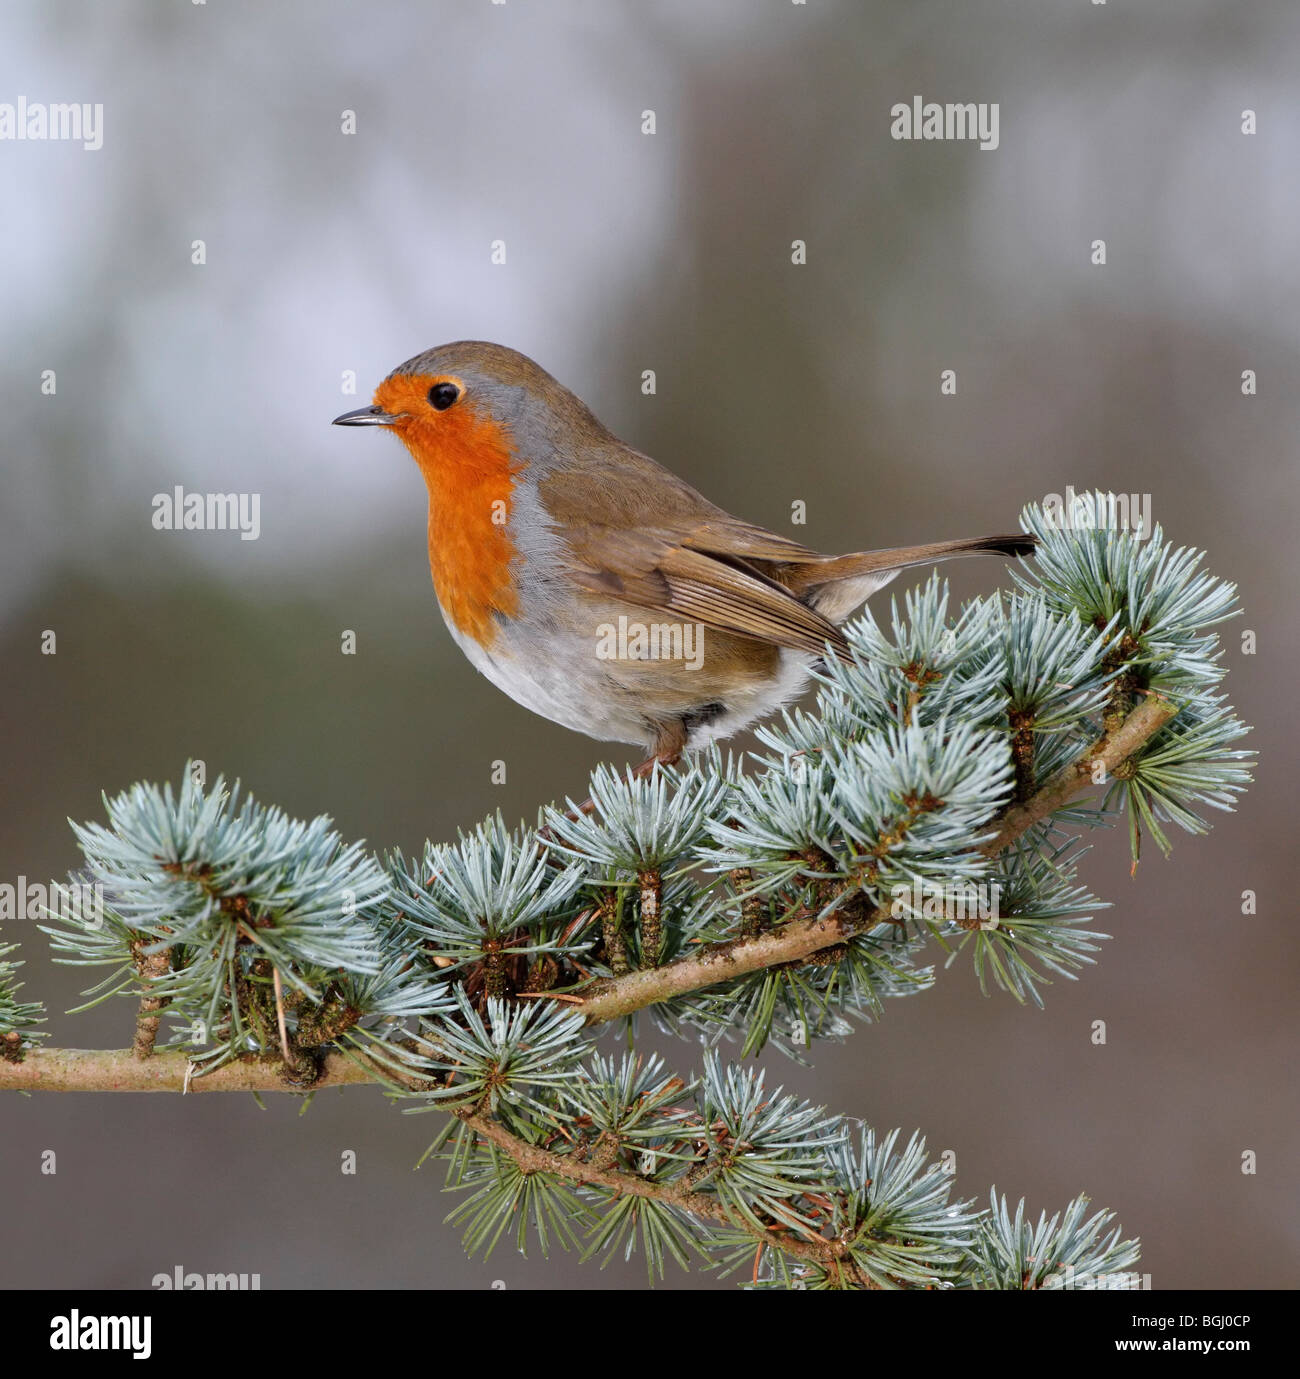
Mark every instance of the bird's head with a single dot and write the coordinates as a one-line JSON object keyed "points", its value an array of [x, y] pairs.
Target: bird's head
{"points": [[474, 405]]}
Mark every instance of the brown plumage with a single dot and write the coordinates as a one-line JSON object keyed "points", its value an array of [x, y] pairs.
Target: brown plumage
{"points": [[548, 535]]}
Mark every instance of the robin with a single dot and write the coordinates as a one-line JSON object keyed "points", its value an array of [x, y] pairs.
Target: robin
{"points": [[594, 586]]}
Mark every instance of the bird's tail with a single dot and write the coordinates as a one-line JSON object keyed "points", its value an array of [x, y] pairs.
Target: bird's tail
{"points": [[900, 557], [838, 584]]}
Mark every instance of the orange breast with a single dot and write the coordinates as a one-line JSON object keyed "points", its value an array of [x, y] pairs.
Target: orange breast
{"points": [[468, 467]]}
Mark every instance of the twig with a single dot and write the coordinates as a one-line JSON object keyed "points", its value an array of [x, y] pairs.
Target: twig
{"points": [[803, 936], [118, 1070], [279, 1018], [534, 1159], [148, 1019], [130, 1070]]}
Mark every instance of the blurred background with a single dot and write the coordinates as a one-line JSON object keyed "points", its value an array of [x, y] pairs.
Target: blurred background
{"points": [[330, 253]]}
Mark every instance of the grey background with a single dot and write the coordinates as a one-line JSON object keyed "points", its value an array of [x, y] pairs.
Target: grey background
{"points": [[327, 253]]}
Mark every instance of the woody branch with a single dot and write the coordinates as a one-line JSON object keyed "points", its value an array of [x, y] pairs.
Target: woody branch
{"points": [[122, 1071]]}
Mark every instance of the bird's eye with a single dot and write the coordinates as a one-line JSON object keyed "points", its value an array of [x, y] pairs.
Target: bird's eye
{"points": [[442, 395]]}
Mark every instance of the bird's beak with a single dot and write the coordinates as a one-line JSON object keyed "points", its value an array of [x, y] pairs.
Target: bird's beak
{"points": [[366, 416]]}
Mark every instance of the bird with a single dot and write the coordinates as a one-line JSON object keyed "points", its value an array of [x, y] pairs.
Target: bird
{"points": [[596, 587]]}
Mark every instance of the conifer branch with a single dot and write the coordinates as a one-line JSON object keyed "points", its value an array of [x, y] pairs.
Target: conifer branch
{"points": [[775, 906], [148, 1020], [1109, 753], [168, 1070], [805, 934], [531, 1158], [165, 1070]]}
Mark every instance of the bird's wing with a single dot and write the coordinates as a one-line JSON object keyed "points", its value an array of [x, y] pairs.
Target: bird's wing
{"points": [[662, 546]]}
